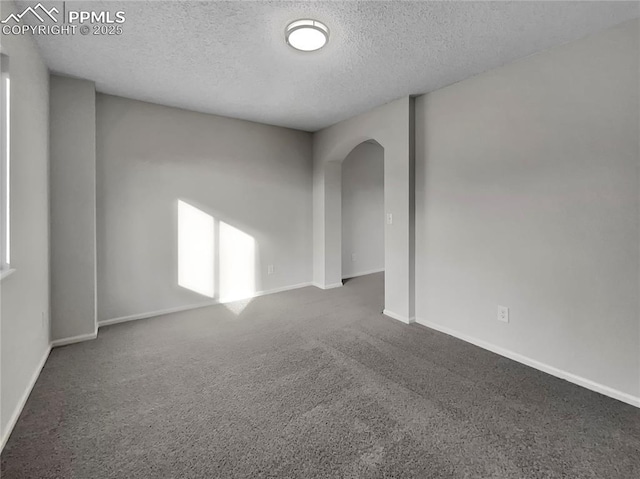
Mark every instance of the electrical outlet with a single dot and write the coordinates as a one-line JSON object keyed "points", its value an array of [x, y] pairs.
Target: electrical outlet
{"points": [[389, 218], [353, 256], [270, 269], [503, 314]]}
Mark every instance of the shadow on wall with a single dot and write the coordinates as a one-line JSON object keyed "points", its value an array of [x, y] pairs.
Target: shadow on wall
{"points": [[215, 259]]}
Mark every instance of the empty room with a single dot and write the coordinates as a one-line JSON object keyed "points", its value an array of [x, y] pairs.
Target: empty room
{"points": [[320, 239]]}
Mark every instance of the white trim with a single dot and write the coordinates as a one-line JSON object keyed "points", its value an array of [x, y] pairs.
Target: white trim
{"points": [[133, 317], [6, 273], [559, 373], [399, 317], [327, 286], [5, 163], [151, 314], [23, 400], [74, 339], [363, 273]]}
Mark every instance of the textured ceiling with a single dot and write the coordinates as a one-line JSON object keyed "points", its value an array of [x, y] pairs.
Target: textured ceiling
{"points": [[230, 58]]}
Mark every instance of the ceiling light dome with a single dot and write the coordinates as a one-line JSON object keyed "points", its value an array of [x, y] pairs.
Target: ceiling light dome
{"points": [[307, 35]]}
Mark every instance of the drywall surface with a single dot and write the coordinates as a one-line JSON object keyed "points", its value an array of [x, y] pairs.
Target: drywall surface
{"points": [[24, 318], [527, 196], [73, 207], [194, 207], [363, 210], [390, 126]]}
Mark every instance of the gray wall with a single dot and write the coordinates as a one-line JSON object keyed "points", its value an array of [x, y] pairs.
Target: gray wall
{"points": [[73, 207], [24, 318], [527, 196], [363, 210], [251, 177]]}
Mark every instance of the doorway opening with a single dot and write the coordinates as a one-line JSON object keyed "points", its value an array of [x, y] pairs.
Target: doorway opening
{"points": [[363, 211]]}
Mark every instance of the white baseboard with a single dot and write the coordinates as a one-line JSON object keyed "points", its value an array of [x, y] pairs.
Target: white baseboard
{"points": [[399, 317], [559, 373], [151, 314], [327, 286], [74, 339], [23, 400], [363, 273]]}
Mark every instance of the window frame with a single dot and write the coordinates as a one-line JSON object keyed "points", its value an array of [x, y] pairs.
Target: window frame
{"points": [[5, 167]]}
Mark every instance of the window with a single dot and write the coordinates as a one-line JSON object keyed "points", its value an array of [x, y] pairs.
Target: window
{"points": [[5, 125]]}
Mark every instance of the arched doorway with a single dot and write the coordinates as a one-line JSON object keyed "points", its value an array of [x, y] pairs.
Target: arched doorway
{"points": [[363, 210], [390, 126]]}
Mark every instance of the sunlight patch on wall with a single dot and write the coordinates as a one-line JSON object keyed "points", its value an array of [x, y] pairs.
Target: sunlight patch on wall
{"points": [[196, 249], [237, 263]]}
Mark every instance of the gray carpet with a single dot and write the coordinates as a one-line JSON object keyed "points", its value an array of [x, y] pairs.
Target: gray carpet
{"points": [[309, 384]]}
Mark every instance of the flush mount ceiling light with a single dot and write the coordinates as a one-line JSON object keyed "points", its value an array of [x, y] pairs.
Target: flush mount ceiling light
{"points": [[307, 35]]}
